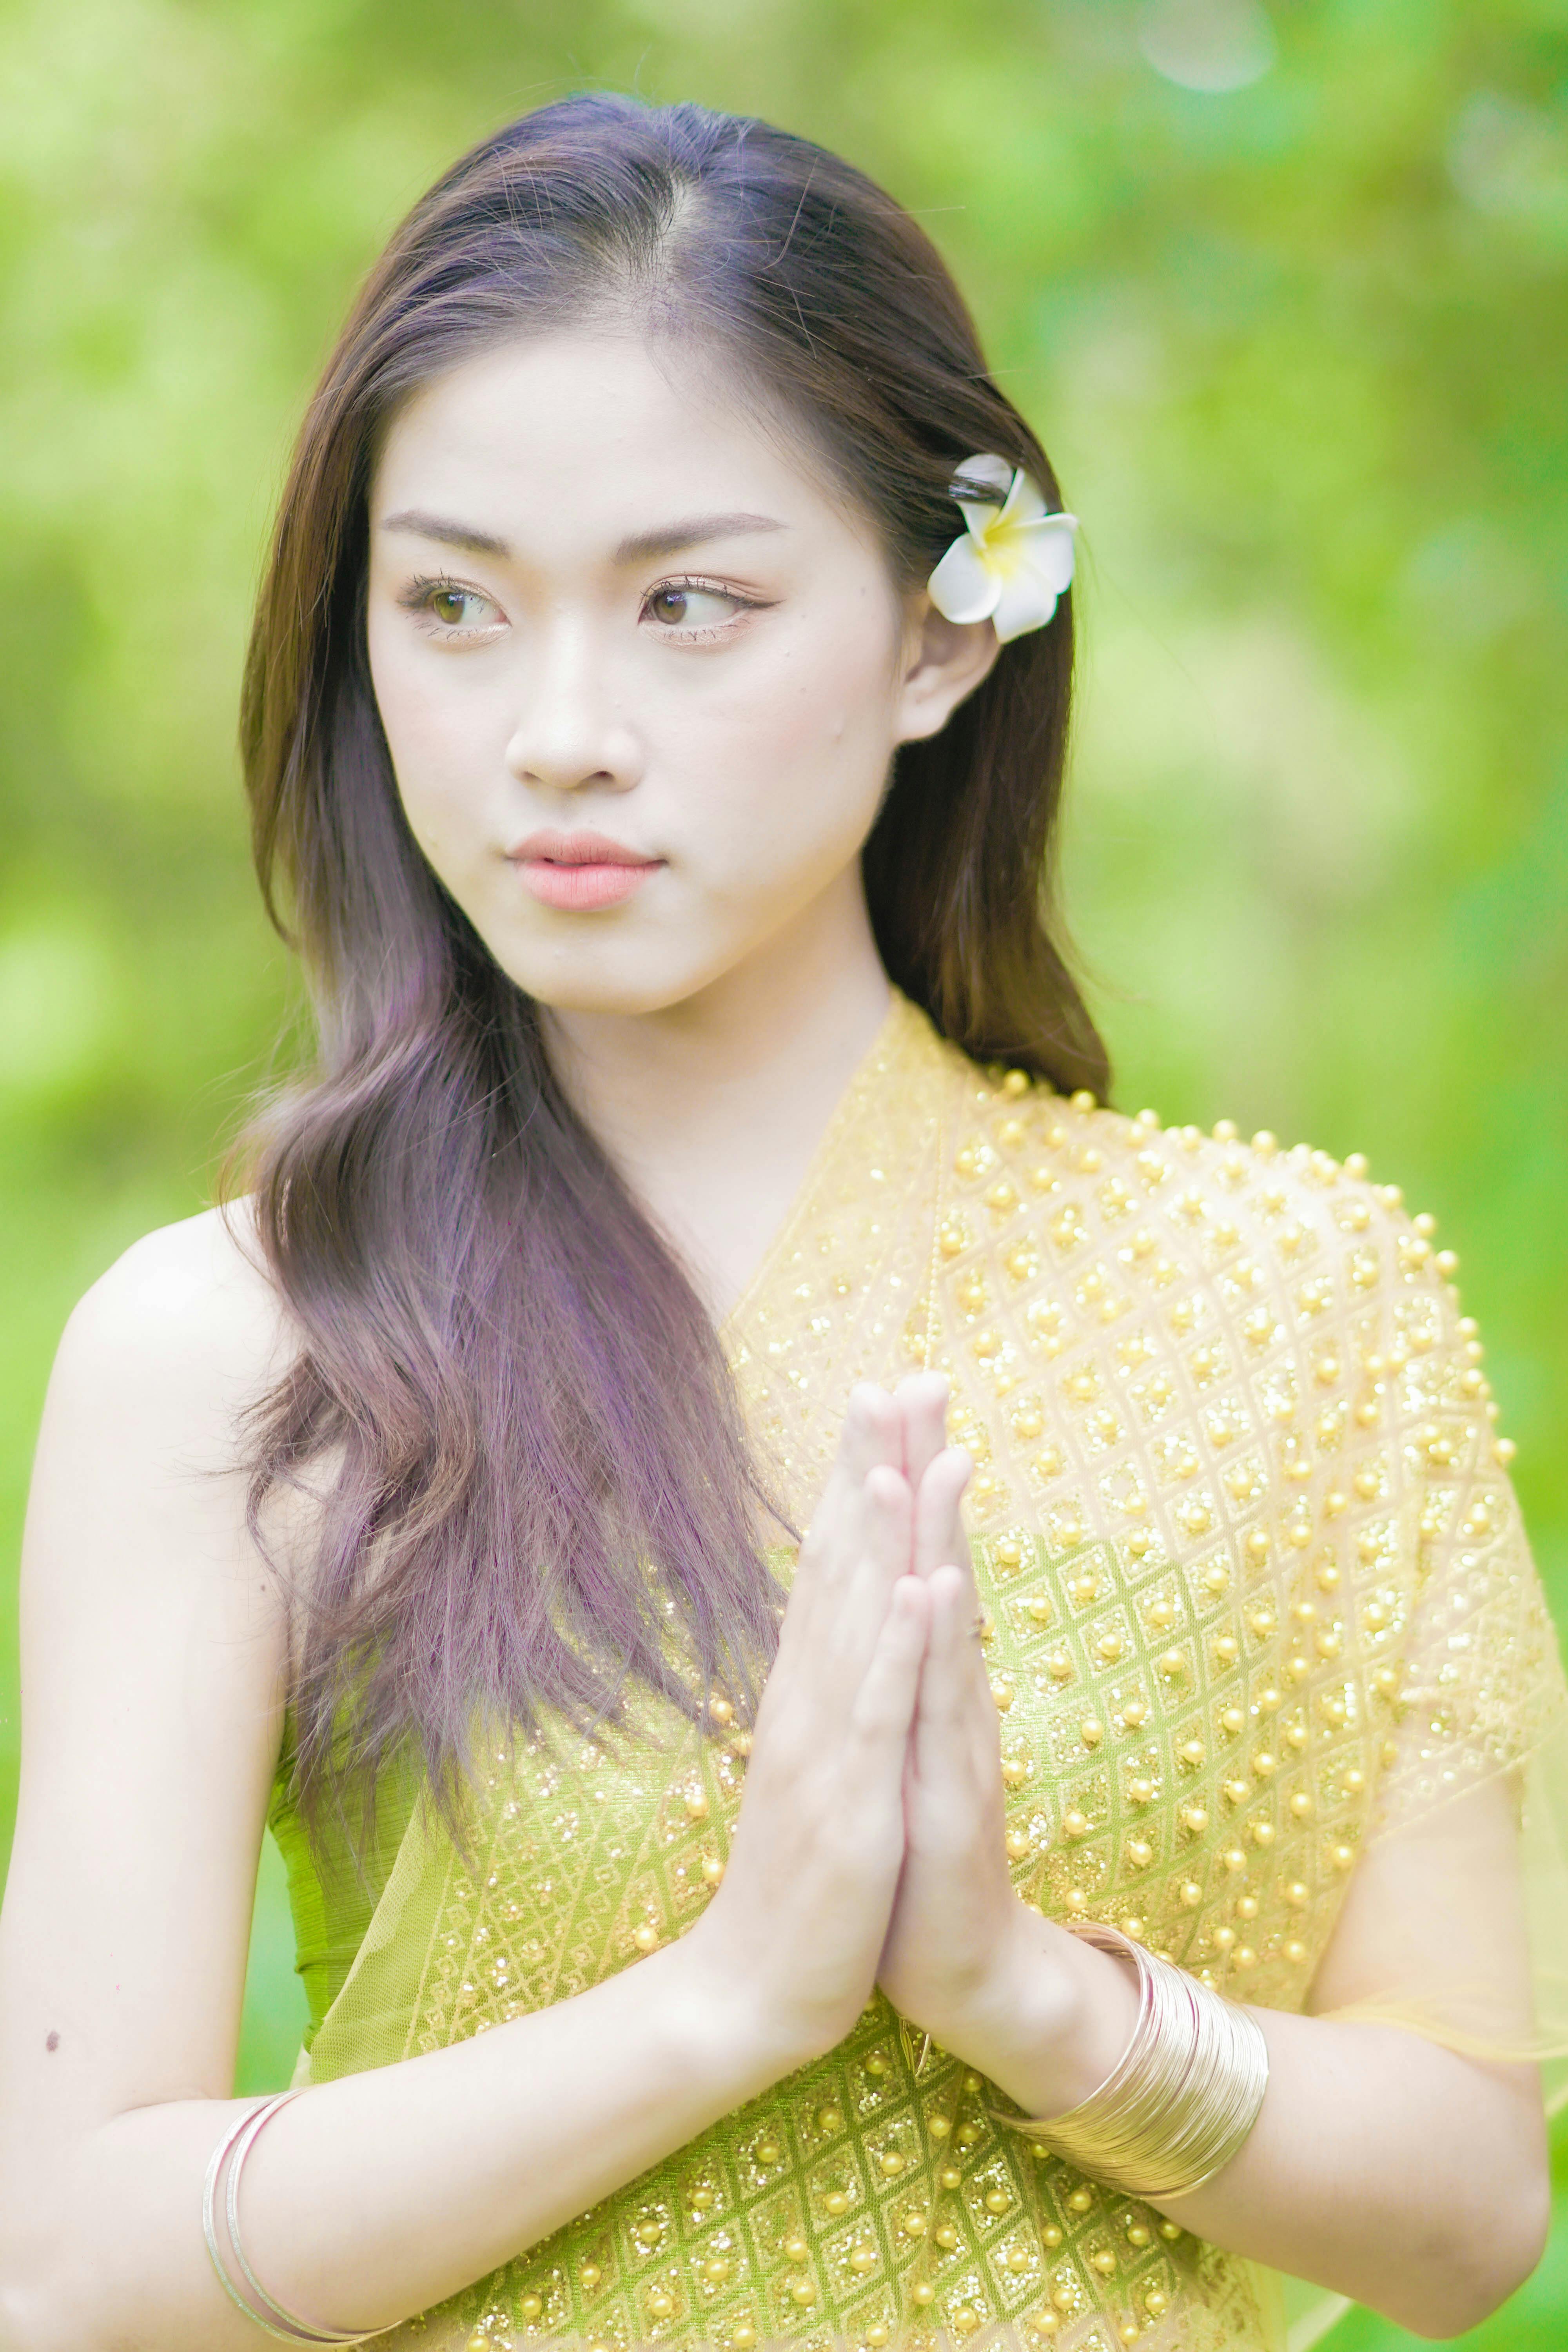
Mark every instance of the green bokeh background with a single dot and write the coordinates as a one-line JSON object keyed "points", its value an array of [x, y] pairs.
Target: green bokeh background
{"points": [[1285, 293]]}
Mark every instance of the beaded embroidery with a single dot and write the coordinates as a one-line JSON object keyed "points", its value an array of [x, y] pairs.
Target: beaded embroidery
{"points": [[1256, 1589]]}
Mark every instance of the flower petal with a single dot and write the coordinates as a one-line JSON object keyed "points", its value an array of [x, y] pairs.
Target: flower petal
{"points": [[962, 587], [1026, 602], [1025, 500], [1045, 545], [991, 472], [980, 518]]}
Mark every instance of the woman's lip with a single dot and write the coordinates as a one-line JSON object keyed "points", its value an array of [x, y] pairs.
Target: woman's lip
{"points": [[581, 848], [580, 887]]}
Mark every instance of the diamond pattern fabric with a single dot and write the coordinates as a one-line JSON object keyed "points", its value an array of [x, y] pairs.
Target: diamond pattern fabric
{"points": [[1256, 1592]]}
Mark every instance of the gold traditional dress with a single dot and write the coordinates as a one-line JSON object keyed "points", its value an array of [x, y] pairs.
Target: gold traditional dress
{"points": [[1257, 1594]]}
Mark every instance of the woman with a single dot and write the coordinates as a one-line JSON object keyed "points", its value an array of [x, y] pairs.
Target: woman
{"points": [[656, 711]]}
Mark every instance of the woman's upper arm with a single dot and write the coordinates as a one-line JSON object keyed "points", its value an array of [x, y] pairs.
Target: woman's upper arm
{"points": [[152, 1657]]}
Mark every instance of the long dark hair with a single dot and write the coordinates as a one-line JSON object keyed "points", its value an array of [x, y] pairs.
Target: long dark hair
{"points": [[524, 1438]]}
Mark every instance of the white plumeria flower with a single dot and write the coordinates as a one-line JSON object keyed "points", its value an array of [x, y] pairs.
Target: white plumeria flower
{"points": [[1014, 560]]}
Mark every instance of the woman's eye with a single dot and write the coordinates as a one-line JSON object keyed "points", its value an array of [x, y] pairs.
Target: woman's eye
{"points": [[693, 608], [455, 611], [456, 608]]}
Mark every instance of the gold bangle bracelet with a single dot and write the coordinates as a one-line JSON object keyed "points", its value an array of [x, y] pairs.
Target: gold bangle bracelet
{"points": [[1182, 2098]]}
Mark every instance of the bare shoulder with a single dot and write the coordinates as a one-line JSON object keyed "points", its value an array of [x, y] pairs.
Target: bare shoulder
{"points": [[187, 1324]]}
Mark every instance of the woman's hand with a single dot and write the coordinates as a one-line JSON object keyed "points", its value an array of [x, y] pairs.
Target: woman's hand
{"points": [[797, 1926], [965, 1961], [956, 1918]]}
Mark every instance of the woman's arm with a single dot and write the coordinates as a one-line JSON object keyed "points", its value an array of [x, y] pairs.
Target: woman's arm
{"points": [[1382, 2166], [153, 1656]]}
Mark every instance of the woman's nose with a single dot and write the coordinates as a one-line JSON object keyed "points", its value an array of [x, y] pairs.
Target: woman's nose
{"points": [[568, 730]]}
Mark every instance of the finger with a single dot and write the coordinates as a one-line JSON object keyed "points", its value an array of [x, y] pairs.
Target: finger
{"points": [[922, 1399], [839, 1632], [871, 1437], [885, 1704], [938, 1528], [957, 1741], [872, 1432]]}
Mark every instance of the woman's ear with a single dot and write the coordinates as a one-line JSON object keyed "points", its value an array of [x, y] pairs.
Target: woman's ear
{"points": [[943, 661]]}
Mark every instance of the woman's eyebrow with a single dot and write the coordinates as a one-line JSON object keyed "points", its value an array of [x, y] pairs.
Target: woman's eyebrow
{"points": [[463, 535], [691, 530], [643, 546]]}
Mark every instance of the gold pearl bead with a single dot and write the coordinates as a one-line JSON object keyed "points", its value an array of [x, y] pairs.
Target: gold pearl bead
{"points": [[660, 2303], [479, 2341], [922, 2292], [590, 2276], [1133, 1712], [863, 2259], [997, 2200], [768, 2150], [648, 2233], [1104, 2261], [530, 2308], [743, 2335], [646, 1938], [795, 2249], [1137, 2235], [713, 1870], [717, 2269], [946, 2237], [1081, 2201], [893, 2163], [1050, 2236], [879, 2333], [836, 2202], [804, 2291], [950, 2177]]}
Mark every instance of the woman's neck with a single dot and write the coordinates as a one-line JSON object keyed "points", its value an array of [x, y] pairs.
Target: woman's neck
{"points": [[712, 1107]]}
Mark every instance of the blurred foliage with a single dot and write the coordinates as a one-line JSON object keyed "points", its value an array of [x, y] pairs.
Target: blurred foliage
{"points": [[1284, 291]]}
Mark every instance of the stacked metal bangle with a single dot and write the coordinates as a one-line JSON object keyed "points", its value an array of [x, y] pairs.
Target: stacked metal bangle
{"points": [[233, 2149], [1185, 2094]]}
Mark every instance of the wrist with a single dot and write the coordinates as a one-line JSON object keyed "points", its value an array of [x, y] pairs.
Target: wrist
{"points": [[719, 2015], [1051, 2019]]}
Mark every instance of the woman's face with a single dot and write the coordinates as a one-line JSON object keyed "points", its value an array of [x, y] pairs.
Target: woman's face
{"points": [[641, 673]]}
